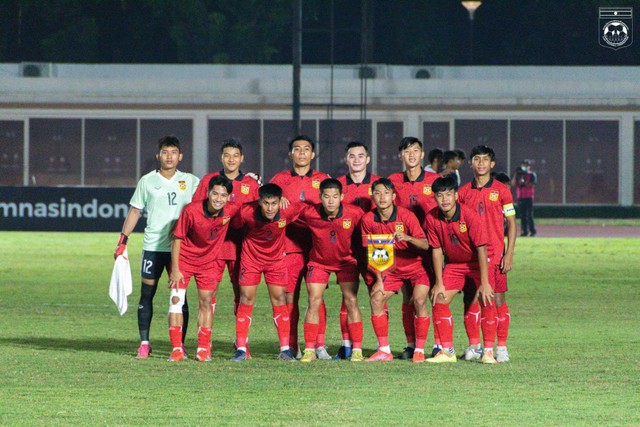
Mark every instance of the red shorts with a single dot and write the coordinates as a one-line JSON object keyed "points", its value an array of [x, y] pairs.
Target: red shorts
{"points": [[455, 276], [274, 274], [207, 278], [296, 266], [497, 278], [345, 273], [394, 282]]}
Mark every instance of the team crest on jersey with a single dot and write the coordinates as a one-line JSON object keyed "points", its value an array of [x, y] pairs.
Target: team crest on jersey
{"points": [[426, 190], [315, 183], [463, 227], [282, 223], [494, 196], [370, 192], [225, 219], [182, 185], [346, 224], [399, 227], [244, 188]]}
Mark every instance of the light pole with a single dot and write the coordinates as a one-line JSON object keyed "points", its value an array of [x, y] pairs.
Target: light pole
{"points": [[471, 7]]}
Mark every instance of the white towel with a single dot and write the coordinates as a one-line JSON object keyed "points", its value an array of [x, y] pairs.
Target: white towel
{"points": [[121, 284]]}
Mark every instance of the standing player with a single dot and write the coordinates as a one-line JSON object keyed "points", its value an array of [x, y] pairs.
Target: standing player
{"points": [[196, 250], [458, 232], [245, 189], [410, 241], [162, 193], [332, 226], [413, 187], [492, 200], [300, 184], [263, 252], [356, 187]]}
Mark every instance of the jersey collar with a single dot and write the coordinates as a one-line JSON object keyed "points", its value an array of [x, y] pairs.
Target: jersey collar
{"points": [[208, 214], [237, 178], [392, 218], [308, 174], [262, 218], [324, 215], [487, 185], [456, 216], [420, 177], [366, 180]]}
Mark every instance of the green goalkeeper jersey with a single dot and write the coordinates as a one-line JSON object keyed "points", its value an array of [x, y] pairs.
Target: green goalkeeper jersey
{"points": [[163, 200]]}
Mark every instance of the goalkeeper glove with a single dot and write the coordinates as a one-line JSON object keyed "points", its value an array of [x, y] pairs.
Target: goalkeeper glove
{"points": [[122, 245], [255, 176]]}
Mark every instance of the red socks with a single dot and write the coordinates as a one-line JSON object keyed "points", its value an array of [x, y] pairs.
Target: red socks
{"points": [[175, 336], [489, 324], [243, 322], [356, 332], [421, 325], [204, 338], [294, 317], [322, 326], [443, 322], [504, 320], [472, 323], [344, 315], [381, 328], [282, 322], [310, 335], [408, 313]]}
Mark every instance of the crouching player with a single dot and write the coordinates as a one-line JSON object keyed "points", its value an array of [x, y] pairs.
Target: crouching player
{"points": [[263, 252], [196, 252], [459, 233], [408, 275], [332, 225]]}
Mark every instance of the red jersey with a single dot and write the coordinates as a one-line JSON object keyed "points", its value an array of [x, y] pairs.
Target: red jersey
{"points": [[494, 203], [245, 190], [415, 195], [264, 241], [299, 188], [203, 234], [408, 258], [332, 238], [358, 194], [458, 237]]}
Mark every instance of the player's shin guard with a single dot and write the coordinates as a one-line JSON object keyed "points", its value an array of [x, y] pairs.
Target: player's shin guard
{"points": [[243, 322], [344, 328], [322, 325], [472, 323], [443, 322], [294, 317], [421, 325], [204, 338], [145, 310], [504, 320], [408, 313], [283, 323], [356, 332], [175, 336], [489, 325], [310, 335], [381, 329]]}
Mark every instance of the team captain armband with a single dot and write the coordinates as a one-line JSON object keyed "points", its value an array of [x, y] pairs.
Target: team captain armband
{"points": [[508, 210]]}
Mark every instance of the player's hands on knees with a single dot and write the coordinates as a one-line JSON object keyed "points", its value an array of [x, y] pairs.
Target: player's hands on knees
{"points": [[176, 278], [122, 245], [437, 294], [485, 294]]}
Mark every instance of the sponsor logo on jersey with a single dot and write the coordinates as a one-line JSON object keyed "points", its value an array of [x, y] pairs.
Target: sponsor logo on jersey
{"points": [[244, 188], [494, 196], [399, 227], [225, 220], [426, 190], [182, 185], [315, 183], [463, 227], [282, 223], [346, 224]]}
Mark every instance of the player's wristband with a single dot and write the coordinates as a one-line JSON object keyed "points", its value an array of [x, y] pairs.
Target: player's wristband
{"points": [[123, 239]]}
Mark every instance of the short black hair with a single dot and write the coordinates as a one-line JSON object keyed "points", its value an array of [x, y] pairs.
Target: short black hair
{"points": [[353, 144], [445, 183], [482, 150], [461, 153], [302, 138], [231, 143], [502, 177], [169, 141], [270, 190], [386, 182], [221, 180], [330, 183], [436, 153], [449, 155], [407, 141]]}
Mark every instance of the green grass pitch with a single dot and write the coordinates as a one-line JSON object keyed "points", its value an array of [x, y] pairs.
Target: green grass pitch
{"points": [[67, 357]]}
